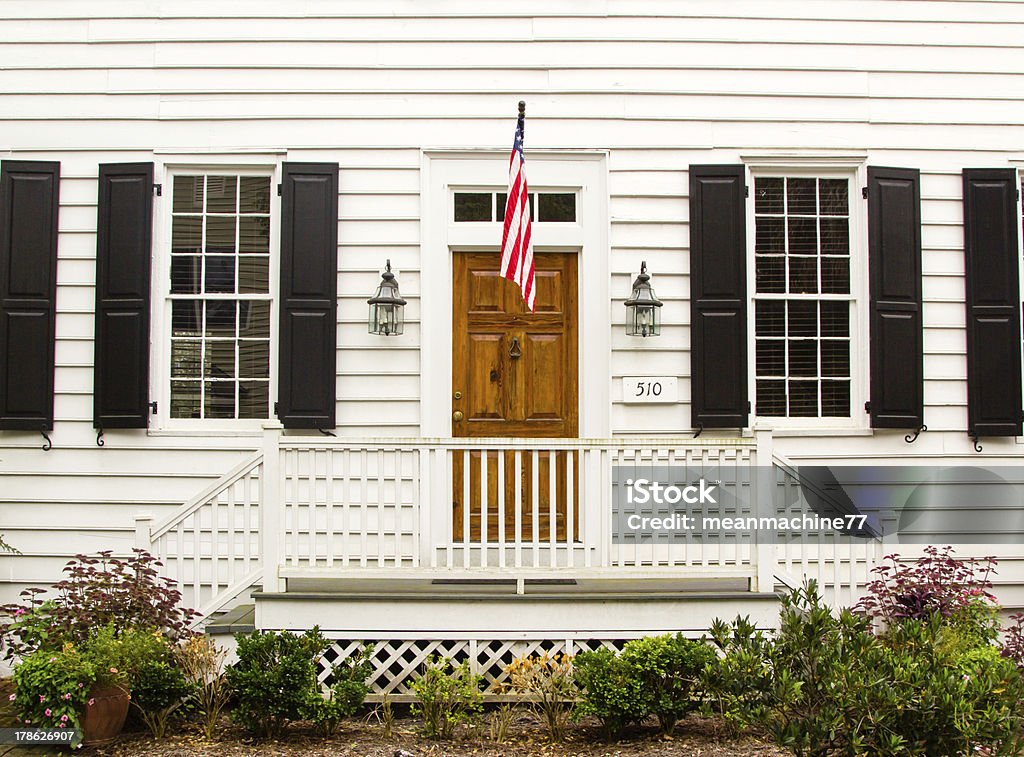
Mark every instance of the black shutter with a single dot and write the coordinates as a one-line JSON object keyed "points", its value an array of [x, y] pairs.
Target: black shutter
{"points": [[894, 262], [28, 292], [309, 284], [718, 297], [993, 302], [124, 223]]}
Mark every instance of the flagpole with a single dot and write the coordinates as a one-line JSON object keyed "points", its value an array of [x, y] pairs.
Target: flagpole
{"points": [[522, 118]]}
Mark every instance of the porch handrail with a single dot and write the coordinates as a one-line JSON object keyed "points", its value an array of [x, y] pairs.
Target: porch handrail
{"points": [[496, 443]]}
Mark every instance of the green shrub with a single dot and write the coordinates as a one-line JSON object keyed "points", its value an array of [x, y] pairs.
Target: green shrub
{"points": [[444, 700], [159, 690], [669, 669], [274, 678], [346, 692], [52, 688], [826, 685], [610, 690]]}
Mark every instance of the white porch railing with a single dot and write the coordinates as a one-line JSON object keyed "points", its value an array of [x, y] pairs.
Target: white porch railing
{"points": [[504, 507]]}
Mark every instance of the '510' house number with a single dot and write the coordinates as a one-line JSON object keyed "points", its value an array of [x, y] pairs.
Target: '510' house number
{"points": [[649, 389]]}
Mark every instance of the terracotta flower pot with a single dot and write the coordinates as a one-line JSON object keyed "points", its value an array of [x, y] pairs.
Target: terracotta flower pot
{"points": [[104, 718]]}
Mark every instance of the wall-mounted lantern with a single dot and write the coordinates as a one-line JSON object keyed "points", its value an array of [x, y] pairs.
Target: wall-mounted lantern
{"points": [[643, 308], [387, 307]]}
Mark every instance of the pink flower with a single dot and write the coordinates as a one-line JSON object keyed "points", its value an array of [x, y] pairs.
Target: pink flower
{"points": [[42, 698], [80, 685], [62, 725], [48, 712], [11, 698], [53, 659], [63, 718], [67, 696], [113, 670], [19, 612], [92, 702]]}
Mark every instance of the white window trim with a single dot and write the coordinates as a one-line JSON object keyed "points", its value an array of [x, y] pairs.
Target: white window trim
{"points": [[160, 353], [855, 170]]}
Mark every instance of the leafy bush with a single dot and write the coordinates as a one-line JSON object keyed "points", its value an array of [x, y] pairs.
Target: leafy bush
{"points": [[444, 700], [52, 688], [346, 692], [826, 685], [203, 666], [610, 690], [956, 589], [1013, 641], [97, 592], [669, 669], [274, 678], [548, 684], [159, 690]]}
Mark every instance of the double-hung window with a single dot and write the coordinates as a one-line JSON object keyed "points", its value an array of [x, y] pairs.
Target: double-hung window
{"points": [[803, 296], [219, 295]]}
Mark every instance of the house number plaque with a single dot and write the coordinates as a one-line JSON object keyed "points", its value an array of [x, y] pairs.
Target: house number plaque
{"points": [[650, 389]]}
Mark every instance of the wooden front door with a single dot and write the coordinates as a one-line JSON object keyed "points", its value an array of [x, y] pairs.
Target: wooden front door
{"points": [[514, 374]]}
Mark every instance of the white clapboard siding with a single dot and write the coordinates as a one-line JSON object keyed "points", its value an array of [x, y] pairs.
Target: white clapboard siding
{"points": [[655, 84]]}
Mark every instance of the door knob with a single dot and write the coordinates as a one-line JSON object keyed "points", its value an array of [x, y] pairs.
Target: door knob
{"points": [[457, 416]]}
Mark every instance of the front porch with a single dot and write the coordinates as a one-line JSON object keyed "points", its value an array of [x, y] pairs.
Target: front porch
{"points": [[375, 516]]}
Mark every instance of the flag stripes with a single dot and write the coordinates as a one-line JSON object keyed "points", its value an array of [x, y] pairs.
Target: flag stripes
{"points": [[516, 245]]}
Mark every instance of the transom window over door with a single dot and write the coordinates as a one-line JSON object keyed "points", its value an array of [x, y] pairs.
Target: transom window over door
{"points": [[802, 297], [220, 302]]}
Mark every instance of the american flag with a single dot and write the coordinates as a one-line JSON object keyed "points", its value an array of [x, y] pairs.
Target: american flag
{"points": [[516, 246]]}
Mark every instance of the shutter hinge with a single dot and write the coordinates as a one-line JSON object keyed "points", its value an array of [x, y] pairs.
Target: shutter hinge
{"points": [[278, 190], [153, 406], [276, 411], [159, 189], [867, 407], [746, 191], [748, 407], [864, 192]]}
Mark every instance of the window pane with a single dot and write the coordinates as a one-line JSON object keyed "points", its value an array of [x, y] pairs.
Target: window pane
{"points": [[254, 194], [219, 399], [768, 195], [185, 355], [835, 275], [770, 318], [770, 236], [188, 194], [803, 236], [220, 359], [253, 274], [803, 275], [185, 274], [187, 234], [835, 236], [803, 357], [253, 399], [502, 200], [771, 398], [253, 359], [220, 274], [803, 318], [834, 197], [220, 317], [800, 197], [186, 317], [253, 234], [473, 206], [221, 194], [254, 321], [803, 399], [185, 399], [835, 358], [771, 357], [770, 274], [220, 234], [556, 207], [835, 399], [835, 319]]}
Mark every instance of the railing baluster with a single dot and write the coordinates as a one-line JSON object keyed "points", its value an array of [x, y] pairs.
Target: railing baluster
{"points": [[364, 475], [467, 461], [329, 509], [535, 507], [381, 508], [518, 484], [501, 508], [314, 506], [346, 511], [570, 506], [553, 507], [484, 534]]}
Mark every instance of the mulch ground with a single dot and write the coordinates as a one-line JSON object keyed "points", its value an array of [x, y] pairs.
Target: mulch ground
{"points": [[362, 738]]}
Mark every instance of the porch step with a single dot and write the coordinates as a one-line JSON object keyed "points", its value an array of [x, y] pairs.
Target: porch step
{"points": [[240, 619]]}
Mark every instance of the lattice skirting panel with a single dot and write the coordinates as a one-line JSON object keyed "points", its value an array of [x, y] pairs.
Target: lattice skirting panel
{"points": [[396, 662]]}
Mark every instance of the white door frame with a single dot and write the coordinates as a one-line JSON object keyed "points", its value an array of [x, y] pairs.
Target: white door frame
{"points": [[442, 172]]}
